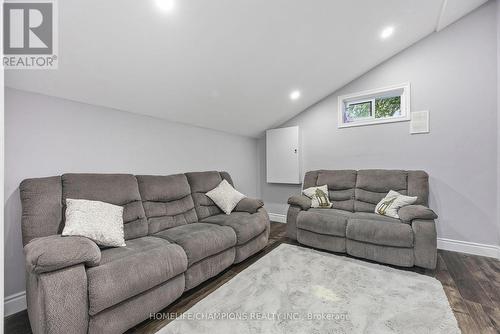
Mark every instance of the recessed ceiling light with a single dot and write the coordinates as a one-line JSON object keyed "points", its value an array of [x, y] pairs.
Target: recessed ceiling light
{"points": [[387, 32], [165, 5], [295, 95]]}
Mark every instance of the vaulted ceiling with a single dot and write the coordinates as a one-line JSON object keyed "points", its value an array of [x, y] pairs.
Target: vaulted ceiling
{"points": [[228, 65]]}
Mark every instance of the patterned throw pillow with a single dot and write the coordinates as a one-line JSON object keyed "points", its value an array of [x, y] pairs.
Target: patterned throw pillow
{"points": [[392, 202], [98, 221], [225, 196], [319, 197]]}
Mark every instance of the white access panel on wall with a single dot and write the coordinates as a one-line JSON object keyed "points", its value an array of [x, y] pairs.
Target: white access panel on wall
{"points": [[282, 155]]}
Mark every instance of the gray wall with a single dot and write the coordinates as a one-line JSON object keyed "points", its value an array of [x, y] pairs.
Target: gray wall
{"points": [[49, 136], [453, 74], [498, 116]]}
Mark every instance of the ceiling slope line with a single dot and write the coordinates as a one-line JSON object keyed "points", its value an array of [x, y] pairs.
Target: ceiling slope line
{"points": [[441, 14]]}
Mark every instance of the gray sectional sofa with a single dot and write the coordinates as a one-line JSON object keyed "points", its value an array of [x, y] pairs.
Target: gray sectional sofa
{"points": [[176, 238], [352, 227]]}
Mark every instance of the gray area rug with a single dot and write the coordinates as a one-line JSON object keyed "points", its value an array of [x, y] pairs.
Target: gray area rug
{"points": [[300, 290]]}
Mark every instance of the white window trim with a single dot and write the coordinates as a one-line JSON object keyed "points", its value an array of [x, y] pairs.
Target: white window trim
{"points": [[368, 95], [360, 101]]}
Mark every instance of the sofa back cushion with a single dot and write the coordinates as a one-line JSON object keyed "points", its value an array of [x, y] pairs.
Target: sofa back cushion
{"points": [[341, 184], [418, 185], [373, 185], [167, 201], [117, 189], [360, 191], [41, 201], [201, 183]]}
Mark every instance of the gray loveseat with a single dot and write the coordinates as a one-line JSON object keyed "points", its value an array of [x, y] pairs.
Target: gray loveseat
{"points": [[176, 239], [352, 227]]}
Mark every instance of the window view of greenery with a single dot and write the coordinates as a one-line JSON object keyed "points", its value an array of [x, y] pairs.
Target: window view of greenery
{"points": [[358, 110], [388, 107]]}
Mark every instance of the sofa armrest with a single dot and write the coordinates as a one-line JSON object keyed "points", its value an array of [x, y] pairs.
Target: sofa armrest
{"points": [[301, 201], [250, 205], [425, 243], [291, 221], [58, 301], [411, 212], [56, 252]]}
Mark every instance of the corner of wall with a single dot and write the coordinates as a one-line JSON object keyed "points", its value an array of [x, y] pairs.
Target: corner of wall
{"points": [[498, 119], [258, 162], [2, 222]]}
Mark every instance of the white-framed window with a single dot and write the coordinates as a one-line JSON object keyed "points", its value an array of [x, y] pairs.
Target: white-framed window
{"points": [[383, 105]]}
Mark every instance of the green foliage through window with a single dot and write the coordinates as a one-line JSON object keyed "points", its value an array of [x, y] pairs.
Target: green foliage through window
{"points": [[388, 107], [358, 110]]}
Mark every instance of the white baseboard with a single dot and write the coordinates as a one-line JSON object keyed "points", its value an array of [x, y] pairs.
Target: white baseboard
{"points": [[442, 243], [469, 247], [15, 303], [276, 217]]}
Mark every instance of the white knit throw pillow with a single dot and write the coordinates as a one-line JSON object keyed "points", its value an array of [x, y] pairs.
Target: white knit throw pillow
{"points": [[98, 221], [225, 196]]}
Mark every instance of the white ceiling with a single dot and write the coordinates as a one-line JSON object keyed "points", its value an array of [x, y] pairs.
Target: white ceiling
{"points": [[228, 65]]}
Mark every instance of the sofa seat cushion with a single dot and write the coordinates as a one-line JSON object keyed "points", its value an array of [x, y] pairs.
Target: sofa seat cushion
{"points": [[374, 216], [246, 226], [333, 212], [323, 221], [200, 240], [380, 232], [128, 271]]}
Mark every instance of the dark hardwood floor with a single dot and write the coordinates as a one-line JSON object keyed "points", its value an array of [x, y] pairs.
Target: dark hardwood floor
{"points": [[472, 284]]}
